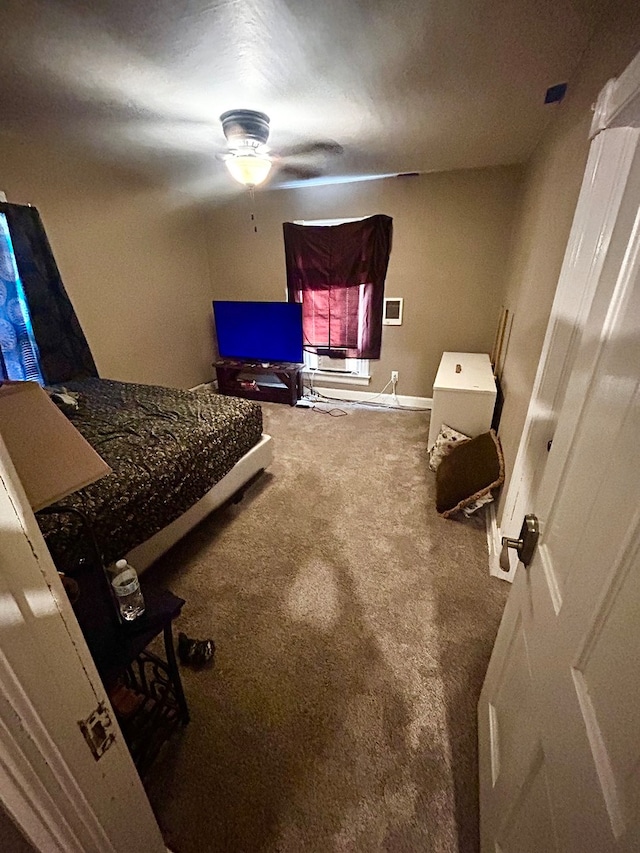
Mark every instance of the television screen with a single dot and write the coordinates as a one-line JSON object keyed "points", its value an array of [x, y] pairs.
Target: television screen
{"points": [[259, 331]]}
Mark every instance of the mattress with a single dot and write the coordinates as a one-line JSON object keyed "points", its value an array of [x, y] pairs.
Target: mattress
{"points": [[166, 447]]}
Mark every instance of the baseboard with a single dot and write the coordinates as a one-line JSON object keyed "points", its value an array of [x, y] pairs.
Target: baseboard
{"points": [[349, 395], [205, 386], [400, 400], [494, 546]]}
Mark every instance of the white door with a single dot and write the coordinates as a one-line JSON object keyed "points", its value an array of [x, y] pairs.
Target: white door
{"points": [[51, 786], [603, 200], [559, 714]]}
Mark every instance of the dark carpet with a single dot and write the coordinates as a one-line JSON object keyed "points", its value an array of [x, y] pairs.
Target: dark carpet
{"points": [[353, 629]]}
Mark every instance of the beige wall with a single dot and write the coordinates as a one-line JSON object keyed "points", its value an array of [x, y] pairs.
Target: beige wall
{"points": [[132, 259], [450, 247], [552, 184]]}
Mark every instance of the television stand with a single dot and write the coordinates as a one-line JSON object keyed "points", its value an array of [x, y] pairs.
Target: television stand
{"points": [[271, 383]]}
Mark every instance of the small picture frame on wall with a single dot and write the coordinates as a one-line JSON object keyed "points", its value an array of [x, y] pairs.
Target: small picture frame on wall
{"points": [[392, 312]]}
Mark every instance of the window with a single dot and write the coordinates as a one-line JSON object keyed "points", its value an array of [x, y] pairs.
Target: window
{"points": [[336, 270], [19, 356], [352, 371], [331, 330]]}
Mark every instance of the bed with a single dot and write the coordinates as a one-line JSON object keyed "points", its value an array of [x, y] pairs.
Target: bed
{"points": [[175, 457]]}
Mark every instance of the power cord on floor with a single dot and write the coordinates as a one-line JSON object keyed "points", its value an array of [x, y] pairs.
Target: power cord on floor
{"points": [[365, 403], [315, 395], [334, 412]]}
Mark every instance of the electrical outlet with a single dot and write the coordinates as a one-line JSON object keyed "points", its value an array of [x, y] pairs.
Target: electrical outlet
{"points": [[394, 375]]}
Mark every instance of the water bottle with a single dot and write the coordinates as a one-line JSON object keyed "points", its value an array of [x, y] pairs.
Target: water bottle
{"points": [[126, 587]]}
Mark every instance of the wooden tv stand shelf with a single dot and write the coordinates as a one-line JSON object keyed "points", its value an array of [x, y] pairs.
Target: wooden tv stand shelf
{"points": [[271, 383]]}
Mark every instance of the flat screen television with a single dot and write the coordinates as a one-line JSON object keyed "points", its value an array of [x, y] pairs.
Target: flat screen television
{"points": [[259, 331]]}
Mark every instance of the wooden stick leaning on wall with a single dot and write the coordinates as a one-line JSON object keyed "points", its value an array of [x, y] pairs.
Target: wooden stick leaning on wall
{"points": [[498, 342]]}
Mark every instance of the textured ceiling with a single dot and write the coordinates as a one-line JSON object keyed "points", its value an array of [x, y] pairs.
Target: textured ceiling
{"points": [[402, 85]]}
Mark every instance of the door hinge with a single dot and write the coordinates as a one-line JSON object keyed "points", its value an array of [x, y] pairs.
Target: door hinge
{"points": [[98, 730]]}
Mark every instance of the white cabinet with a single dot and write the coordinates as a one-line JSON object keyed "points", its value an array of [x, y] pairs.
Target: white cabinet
{"points": [[464, 394]]}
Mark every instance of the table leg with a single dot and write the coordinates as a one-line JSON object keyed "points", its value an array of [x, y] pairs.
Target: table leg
{"points": [[174, 672]]}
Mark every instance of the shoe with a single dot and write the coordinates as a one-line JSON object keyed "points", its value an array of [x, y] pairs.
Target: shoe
{"points": [[195, 652]]}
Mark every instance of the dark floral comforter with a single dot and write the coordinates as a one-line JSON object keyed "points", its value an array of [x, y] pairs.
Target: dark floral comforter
{"points": [[166, 447]]}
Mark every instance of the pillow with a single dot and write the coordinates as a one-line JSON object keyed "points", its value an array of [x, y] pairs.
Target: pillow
{"points": [[468, 473], [67, 401], [447, 439]]}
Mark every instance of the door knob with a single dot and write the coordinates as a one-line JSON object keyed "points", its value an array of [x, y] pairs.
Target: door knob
{"points": [[525, 545]]}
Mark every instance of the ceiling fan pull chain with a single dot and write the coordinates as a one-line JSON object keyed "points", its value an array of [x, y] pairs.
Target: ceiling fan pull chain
{"points": [[252, 198]]}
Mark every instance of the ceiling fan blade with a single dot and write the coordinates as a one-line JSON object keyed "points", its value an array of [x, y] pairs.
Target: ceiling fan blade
{"points": [[327, 146], [300, 173]]}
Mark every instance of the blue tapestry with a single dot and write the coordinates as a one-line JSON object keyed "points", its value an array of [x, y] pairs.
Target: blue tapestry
{"points": [[62, 348], [20, 357]]}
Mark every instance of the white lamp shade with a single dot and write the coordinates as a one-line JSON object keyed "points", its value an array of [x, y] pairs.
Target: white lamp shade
{"points": [[248, 169], [51, 457]]}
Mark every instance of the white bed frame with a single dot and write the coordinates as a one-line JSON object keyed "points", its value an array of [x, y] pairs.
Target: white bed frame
{"points": [[257, 459]]}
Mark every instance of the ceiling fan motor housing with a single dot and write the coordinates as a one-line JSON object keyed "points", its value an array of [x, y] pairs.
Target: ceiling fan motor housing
{"points": [[245, 128]]}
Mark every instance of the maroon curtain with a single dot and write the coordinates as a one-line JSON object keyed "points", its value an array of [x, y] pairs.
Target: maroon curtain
{"points": [[337, 272]]}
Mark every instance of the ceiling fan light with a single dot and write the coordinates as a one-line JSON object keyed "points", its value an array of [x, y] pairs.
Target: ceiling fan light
{"points": [[248, 169]]}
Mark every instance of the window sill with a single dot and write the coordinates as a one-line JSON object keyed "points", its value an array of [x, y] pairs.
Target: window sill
{"points": [[330, 377]]}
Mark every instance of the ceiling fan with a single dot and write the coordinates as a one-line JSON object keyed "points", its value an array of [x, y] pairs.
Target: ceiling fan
{"points": [[249, 159]]}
